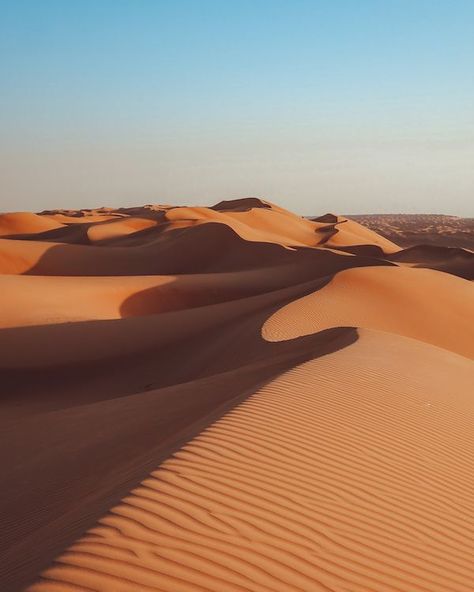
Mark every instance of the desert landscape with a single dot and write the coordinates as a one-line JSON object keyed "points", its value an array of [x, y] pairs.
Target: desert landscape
{"points": [[409, 230], [235, 398]]}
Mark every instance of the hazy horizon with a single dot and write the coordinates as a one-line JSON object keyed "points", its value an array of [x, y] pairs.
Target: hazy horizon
{"points": [[197, 203], [353, 107]]}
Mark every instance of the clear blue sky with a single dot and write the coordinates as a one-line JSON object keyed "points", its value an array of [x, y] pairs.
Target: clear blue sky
{"points": [[323, 105]]}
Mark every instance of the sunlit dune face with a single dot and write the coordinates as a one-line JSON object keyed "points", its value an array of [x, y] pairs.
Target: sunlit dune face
{"points": [[25, 223], [351, 233], [18, 257], [397, 300], [265, 225], [71, 299]]}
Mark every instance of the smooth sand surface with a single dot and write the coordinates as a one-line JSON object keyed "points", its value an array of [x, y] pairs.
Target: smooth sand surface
{"points": [[25, 223], [232, 398], [405, 301]]}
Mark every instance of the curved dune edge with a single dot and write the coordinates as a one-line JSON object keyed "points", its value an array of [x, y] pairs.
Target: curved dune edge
{"points": [[28, 300], [423, 304], [42, 300], [353, 471], [116, 228]]}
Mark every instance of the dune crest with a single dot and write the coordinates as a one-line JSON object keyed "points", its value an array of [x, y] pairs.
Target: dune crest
{"points": [[233, 398]]}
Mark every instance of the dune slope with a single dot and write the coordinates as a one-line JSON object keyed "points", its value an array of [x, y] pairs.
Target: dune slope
{"points": [[340, 474]]}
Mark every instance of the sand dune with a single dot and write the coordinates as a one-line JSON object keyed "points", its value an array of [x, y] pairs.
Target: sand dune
{"points": [[347, 233], [25, 223], [388, 299], [341, 474], [117, 228], [44, 300], [232, 398]]}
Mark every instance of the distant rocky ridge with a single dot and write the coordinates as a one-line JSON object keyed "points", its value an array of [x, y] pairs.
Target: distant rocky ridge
{"points": [[408, 230]]}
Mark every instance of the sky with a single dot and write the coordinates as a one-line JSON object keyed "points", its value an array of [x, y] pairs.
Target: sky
{"points": [[345, 106]]}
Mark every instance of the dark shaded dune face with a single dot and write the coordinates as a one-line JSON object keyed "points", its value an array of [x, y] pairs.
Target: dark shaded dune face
{"points": [[240, 205], [457, 261], [147, 212], [364, 251], [195, 290], [326, 218], [326, 232], [74, 235], [428, 253], [232, 398]]}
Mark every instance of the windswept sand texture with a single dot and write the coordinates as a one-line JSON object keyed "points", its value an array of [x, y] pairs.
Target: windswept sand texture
{"points": [[233, 399]]}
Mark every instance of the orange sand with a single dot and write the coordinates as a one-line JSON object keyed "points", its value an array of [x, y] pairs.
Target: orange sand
{"points": [[233, 399], [343, 473]]}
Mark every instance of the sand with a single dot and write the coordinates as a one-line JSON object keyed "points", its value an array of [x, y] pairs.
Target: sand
{"points": [[393, 299], [233, 398]]}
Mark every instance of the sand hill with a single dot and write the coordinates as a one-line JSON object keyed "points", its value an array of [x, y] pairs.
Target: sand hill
{"points": [[233, 399]]}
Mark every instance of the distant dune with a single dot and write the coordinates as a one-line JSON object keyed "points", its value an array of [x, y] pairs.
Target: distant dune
{"points": [[409, 230], [235, 398]]}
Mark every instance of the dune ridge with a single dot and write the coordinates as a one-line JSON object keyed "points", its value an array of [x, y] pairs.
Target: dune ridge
{"points": [[232, 398]]}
